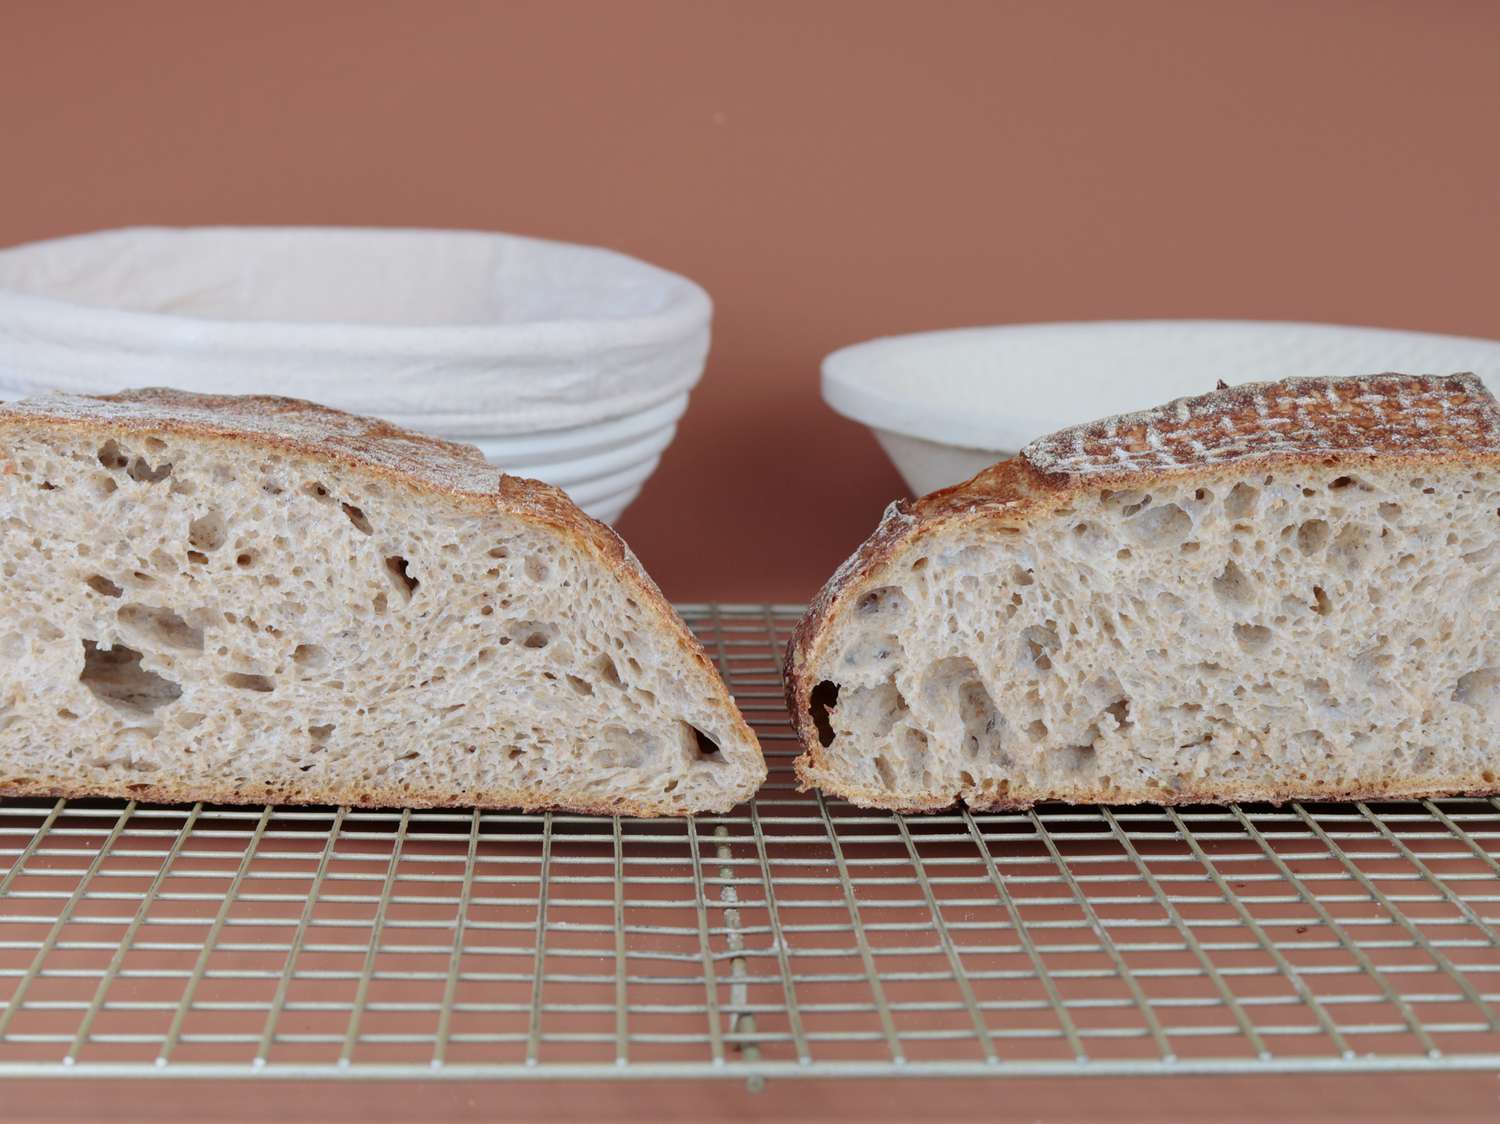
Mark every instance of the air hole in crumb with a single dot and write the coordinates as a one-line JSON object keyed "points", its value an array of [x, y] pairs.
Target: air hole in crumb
{"points": [[161, 625], [102, 585], [499, 552], [823, 698], [64, 712], [115, 676], [1167, 525], [320, 734], [111, 457], [398, 569], [707, 746], [197, 558], [536, 640], [245, 558], [1338, 483], [1037, 730], [207, 532], [309, 655], [1321, 604], [1041, 641], [357, 517], [919, 564], [245, 682], [1312, 536], [102, 485], [1479, 688], [536, 569], [1253, 637], [1082, 756], [1351, 547], [317, 491], [1232, 586], [379, 605], [608, 671], [580, 686], [1242, 500], [143, 473]]}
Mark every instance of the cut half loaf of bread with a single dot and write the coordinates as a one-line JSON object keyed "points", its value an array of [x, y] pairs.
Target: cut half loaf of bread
{"points": [[1276, 591], [263, 600]]}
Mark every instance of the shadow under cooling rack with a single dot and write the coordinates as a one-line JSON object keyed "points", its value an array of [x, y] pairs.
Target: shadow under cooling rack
{"points": [[792, 937]]}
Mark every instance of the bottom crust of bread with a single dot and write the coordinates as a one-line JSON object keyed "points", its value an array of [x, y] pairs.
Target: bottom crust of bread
{"points": [[1020, 802], [383, 797]]}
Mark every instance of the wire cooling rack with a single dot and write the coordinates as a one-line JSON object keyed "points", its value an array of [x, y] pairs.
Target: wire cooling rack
{"points": [[796, 936]]}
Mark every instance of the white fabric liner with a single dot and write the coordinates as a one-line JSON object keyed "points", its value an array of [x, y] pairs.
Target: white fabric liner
{"points": [[457, 332]]}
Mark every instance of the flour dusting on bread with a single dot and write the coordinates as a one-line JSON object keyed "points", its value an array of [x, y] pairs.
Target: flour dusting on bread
{"points": [[259, 599], [1271, 591]]}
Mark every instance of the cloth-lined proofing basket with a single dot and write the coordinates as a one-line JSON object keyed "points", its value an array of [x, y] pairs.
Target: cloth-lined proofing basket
{"points": [[568, 363]]}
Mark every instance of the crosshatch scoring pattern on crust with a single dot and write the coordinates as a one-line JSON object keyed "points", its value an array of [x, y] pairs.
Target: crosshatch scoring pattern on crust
{"points": [[795, 936], [1418, 415]]}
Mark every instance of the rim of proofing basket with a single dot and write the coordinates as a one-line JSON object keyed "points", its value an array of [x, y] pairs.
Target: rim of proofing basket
{"points": [[462, 333]]}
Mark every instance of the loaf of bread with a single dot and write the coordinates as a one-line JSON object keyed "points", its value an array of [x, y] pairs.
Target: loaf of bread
{"points": [[263, 600], [1277, 591]]}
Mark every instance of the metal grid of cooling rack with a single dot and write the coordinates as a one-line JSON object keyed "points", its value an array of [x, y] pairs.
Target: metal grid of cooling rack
{"points": [[795, 936]]}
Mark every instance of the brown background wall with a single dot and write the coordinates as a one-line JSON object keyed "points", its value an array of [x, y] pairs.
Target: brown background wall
{"points": [[828, 170]]}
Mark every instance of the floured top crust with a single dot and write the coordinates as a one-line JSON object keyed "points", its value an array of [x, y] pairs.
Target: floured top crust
{"points": [[285, 422], [1403, 414], [293, 425]]}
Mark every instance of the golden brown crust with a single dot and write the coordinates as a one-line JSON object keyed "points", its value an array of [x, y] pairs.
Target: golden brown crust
{"points": [[302, 795], [1389, 419], [1268, 794], [447, 470]]}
